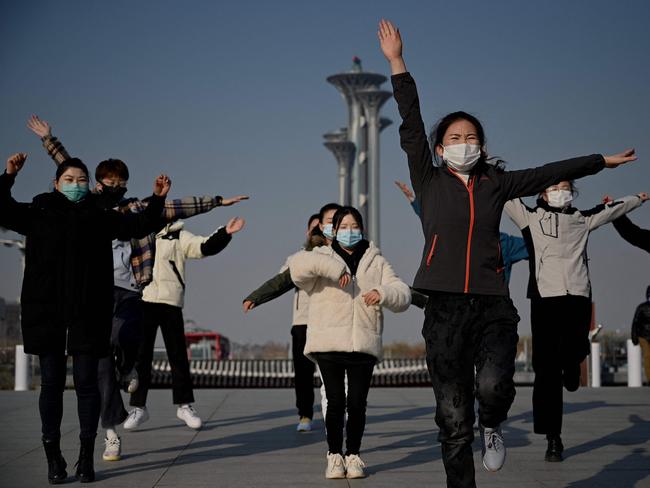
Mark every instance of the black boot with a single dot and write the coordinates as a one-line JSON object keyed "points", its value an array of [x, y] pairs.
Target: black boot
{"points": [[56, 465], [554, 449], [85, 465]]}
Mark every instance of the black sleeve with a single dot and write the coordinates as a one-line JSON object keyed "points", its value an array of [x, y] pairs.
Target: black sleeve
{"points": [[216, 243], [129, 225], [419, 299], [412, 134], [527, 182], [632, 233], [13, 215], [273, 288]]}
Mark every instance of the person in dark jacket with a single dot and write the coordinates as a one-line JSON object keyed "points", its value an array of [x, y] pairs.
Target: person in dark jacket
{"points": [[67, 299], [632, 233], [641, 332], [470, 321]]}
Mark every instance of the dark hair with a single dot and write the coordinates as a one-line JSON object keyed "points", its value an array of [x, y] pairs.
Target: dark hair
{"points": [[440, 129], [111, 168], [342, 212], [327, 208], [312, 218], [71, 163]]}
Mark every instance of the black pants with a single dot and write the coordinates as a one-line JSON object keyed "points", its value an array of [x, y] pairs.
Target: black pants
{"points": [[50, 403], [560, 327], [171, 323], [303, 369], [464, 332], [333, 368], [126, 336]]}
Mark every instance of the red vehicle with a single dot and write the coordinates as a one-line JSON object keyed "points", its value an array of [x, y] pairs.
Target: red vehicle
{"points": [[207, 345]]}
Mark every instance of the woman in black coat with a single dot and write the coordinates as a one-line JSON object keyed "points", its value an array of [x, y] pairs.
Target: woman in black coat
{"points": [[67, 297]]}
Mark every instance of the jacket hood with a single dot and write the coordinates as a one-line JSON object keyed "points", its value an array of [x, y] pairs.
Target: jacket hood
{"points": [[171, 227]]}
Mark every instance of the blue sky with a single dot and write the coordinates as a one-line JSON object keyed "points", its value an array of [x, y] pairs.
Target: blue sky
{"points": [[231, 98]]}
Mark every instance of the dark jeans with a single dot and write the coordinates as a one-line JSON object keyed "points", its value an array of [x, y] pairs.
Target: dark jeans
{"points": [[126, 336], [333, 368], [560, 327], [171, 323], [463, 332], [303, 372], [50, 403]]}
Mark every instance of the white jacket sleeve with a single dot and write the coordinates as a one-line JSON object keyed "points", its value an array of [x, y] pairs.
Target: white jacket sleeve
{"points": [[603, 214], [394, 294], [307, 267], [285, 266], [516, 210], [191, 244]]}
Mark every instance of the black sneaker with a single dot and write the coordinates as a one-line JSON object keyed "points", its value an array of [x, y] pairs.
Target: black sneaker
{"points": [[554, 449]]}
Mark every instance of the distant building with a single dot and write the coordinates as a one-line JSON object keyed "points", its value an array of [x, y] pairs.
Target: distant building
{"points": [[10, 333]]}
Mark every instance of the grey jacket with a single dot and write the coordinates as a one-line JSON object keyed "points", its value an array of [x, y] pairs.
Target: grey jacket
{"points": [[557, 243]]}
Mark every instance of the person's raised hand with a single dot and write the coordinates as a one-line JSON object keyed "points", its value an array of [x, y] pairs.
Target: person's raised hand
{"points": [[406, 190], [344, 280], [607, 199], [162, 185], [15, 163], [248, 306], [371, 298], [234, 225], [227, 202], [39, 127], [616, 160], [643, 196], [390, 41]]}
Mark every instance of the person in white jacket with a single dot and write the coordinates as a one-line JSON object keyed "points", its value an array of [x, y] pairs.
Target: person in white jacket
{"points": [[162, 307], [348, 284], [559, 289]]}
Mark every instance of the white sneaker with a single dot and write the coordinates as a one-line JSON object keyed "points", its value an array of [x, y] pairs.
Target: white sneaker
{"points": [[188, 415], [494, 451], [136, 418], [113, 450], [304, 425], [335, 467], [354, 466], [132, 381]]}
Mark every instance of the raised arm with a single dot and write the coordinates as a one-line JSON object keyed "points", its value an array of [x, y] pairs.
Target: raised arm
{"points": [[52, 146], [518, 212], [270, 289], [14, 215], [605, 213], [413, 137], [632, 233]]}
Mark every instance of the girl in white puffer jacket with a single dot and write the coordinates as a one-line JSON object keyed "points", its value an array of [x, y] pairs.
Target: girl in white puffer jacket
{"points": [[348, 285]]}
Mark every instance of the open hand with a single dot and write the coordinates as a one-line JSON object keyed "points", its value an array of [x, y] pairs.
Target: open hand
{"points": [[643, 196], [39, 127], [15, 163], [162, 185], [390, 40], [227, 202], [607, 199], [248, 305], [235, 225], [371, 298], [621, 158], [345, 280], [406, 190]]}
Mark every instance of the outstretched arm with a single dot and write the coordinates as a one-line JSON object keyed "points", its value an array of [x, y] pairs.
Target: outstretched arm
{"points": [[269, 290], [53, 147], [632, 233], [605, 213]]}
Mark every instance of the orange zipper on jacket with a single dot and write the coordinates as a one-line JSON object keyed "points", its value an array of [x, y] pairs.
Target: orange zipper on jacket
{"points": [[433, 248], [470, 189], [499, 258]]}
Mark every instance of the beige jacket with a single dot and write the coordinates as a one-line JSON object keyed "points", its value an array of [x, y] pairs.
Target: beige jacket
{"points": [[300, 300], [339, 320]]}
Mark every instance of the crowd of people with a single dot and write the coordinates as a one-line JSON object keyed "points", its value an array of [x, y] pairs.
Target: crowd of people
{"points": [[103, 272]]}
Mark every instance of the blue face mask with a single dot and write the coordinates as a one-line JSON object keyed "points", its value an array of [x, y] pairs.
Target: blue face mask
{"points": [[74, 191], [328, 231], [349, 237]]}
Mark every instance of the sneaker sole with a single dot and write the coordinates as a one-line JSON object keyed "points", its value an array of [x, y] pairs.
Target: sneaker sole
{"points": [[337, 477], [112, 458], [492, 470], [355, 476]]}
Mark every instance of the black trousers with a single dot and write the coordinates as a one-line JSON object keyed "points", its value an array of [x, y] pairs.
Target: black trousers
{"points": [[126, 336], [560, 327], [50, 402], [464, 332], [171, 323], [333, 368], [303, 372]]}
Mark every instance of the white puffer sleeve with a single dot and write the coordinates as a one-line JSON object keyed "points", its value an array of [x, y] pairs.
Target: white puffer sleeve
{"points": [[395, 294], [307, 267]]}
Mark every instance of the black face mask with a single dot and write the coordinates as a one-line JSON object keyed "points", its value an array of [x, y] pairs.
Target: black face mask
{"points": [[112, 195]]}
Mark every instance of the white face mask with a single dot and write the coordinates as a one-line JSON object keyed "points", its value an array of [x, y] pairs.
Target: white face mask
{"points": [[559, 198], [461, 157]]}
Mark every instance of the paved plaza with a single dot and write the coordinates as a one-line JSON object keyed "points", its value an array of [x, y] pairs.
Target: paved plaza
{"points": [[249, 440]]}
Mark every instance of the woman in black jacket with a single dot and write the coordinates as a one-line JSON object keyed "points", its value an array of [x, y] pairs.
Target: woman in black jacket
{"points": [[67, 298], [470, 321]]}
